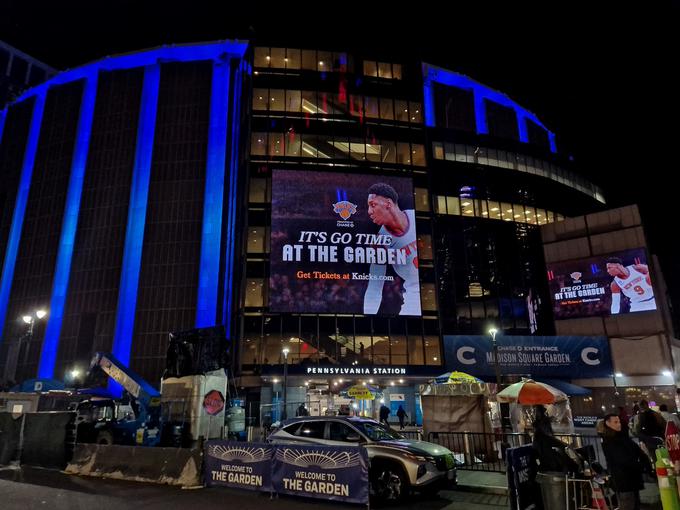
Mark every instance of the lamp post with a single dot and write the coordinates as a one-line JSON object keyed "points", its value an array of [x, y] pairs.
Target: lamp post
{"points": [[497, 367], [13, 360], [285, 352]]}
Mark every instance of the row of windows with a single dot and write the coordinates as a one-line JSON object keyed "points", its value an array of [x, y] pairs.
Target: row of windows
{"points": [[329, 103], [385, 70], [294, 58], [255, 295], [491, 209], [514, 161], [306, 145]]}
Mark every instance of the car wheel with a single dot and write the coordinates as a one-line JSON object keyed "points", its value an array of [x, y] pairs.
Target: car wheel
{"points": [[104, 437], [389, 482]]}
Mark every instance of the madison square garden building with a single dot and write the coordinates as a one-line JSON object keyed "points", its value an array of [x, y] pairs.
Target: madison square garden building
{"points": [[353, 208]]}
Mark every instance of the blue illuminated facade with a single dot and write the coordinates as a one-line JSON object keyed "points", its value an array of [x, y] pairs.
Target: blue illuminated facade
{"points": [[175, 275]]}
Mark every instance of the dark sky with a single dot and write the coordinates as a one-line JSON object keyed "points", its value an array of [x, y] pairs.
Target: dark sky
{"points": [[604, 76]]}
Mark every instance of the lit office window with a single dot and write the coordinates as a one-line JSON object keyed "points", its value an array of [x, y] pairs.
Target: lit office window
{"points": [[422, 199], [293, 58], [278, 58], [261, 57], [254, 295], [258, 144], [370, 68]]}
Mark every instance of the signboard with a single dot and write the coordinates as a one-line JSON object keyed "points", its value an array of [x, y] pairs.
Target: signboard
{"points": [[240, 465], [356, 370], [609, 284], [343, 243], [585, 421], [360, 393], [213, 402], [537, 356], [522, 486], [338, 473]]}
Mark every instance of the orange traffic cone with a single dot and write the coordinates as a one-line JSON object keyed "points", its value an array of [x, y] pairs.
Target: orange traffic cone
{"points": [[598, 497]]}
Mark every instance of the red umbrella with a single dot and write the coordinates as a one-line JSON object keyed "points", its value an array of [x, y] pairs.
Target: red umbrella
{"points": [[530, 392]]}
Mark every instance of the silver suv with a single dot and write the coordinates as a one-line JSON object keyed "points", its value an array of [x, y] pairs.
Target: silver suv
{"points": [[396, 465]]}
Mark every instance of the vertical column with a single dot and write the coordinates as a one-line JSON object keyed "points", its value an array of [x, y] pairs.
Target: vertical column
{"points": [[134, 232], [213, 201], [522, 126], [428, 99], [3, 115], [480, 113], [48, 355], [553, 145], [233, 197], [20, 206]]}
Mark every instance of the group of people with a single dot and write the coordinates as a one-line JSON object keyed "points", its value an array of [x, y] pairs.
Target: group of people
{"points": [[385, 414]]}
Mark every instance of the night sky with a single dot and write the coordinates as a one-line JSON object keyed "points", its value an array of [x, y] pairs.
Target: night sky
{"points": [[604, 78]]}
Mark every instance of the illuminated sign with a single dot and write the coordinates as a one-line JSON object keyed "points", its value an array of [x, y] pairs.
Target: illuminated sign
{"points": [[343, 243], [336, 370], [609, 284]]}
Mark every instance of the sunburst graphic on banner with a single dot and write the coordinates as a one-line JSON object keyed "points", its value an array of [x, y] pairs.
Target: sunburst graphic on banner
{"points": [[326, 460], [244, 454]]}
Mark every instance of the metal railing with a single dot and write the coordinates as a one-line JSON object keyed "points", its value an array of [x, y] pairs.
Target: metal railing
{"points": [[480, 451]]}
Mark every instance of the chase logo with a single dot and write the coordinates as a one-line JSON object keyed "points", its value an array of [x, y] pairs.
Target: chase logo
{"points": [[345, 209], [576, 276]]}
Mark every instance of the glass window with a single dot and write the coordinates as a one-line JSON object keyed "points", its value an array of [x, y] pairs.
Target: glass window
{"points": [[309, 149], [389, 152], [293, 100], [256, 236], [258, 144], [398, 349], [396, 71], [416, 113], [484, 212], [401, 110], [425, 246], [293, 144], [356, 105], [460, 153], [293, 58], [312, 429], [373, 151], [276, 144], [339, 431], [357, 149], [308, 103], [422, 199], [449, 151], [322, 143], [309, 60], [384, 70], [277, 100], [440, 204], [541, 218], [278, 58], [427, 296], [325, 60], [467, 207], [492, 157], [418, 154], [370, 68], [550, 216], [258, 190], [254, 292], [453, 205], [518, 213], [506, 211], [415, 345], [386, 109], [261, 57], [559, 217], [371, 107], [438, 150], [403, 153], [481, 156], [340, 62], [260, 99], [432, 351], [494, 210], [530, 214]]}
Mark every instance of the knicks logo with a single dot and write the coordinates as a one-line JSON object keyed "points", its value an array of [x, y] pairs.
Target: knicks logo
{"points": [[576, 276], [345, 209]]}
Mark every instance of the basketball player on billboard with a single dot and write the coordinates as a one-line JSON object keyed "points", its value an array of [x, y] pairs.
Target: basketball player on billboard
{"points": [[634, 283]]}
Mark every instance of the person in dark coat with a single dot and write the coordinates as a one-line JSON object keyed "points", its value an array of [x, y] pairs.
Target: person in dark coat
{"points": [[625, 461], [401, 414], [384, 414], [550, 451]]}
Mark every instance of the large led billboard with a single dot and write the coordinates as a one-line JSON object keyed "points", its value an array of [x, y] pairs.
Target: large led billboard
{"points": [[605, 285], [343, 243]]}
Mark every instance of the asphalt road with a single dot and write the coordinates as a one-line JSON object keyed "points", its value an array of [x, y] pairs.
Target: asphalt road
{"points": [[30, 488]]}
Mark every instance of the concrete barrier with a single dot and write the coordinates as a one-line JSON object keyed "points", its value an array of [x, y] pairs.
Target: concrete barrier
{"points": [[170, 466]]}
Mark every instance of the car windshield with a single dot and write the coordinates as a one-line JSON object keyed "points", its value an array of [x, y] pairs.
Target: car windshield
{"points": [[377, 432]]}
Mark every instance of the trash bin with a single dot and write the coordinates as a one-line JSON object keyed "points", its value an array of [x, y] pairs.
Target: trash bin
{"points": [[553, 490]]}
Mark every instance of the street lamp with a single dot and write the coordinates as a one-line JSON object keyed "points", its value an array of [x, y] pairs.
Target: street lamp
{"points": [[497, 368], [13, 359], [285, 352]]}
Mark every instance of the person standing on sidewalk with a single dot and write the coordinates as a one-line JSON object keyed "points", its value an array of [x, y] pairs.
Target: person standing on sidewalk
{"points": [[401, 414], [625, 462]]}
